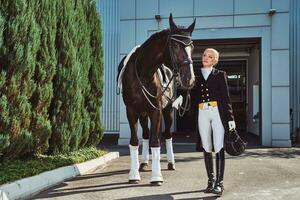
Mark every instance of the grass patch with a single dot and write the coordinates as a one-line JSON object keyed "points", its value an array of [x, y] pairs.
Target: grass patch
{"points": [[11, 170]]}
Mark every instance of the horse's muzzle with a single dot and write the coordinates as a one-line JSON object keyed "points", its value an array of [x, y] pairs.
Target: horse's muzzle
{"points": [[186, 74]]}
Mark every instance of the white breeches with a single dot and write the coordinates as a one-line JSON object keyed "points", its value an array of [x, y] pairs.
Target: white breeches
{"points": [[210, 124]]}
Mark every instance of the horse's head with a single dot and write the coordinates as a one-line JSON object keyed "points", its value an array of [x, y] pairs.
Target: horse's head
{"points": [[180, 51]]}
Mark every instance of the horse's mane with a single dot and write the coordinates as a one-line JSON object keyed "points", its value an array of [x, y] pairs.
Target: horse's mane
{"points": [[179, 30], [154, 36]]}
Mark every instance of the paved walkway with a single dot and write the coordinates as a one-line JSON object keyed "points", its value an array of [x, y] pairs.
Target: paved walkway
{"points": [[258, 174]]}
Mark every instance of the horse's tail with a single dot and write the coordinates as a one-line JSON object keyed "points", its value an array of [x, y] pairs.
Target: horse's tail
{"points": [[120, 67]]}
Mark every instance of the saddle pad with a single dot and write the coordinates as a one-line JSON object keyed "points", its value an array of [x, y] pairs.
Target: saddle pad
{"points": [[124, 66]]}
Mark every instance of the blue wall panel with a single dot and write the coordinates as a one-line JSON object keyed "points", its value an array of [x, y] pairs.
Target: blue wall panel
{"points": [[127, 9], [178, 8], [281, 105], [251, 6], [278, 131], [266, 93], [248, 32], [295, 66], [127, 29], [280, 68], [214, 22], [280, 31], [110, 18], [179, 21], [146, 9], [281, 5], [143, 27], [252, 20], [213, 7]]}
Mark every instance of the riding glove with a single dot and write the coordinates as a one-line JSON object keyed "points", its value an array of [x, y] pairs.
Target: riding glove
{"points": [[177, 102]]}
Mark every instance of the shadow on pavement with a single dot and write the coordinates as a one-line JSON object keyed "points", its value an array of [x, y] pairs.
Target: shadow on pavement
{"points": [[98, 175], [251, 151], [56, 192], [169, 196]]}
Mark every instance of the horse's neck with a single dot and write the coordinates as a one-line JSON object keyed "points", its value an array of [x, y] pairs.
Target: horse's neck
{"points": [[151, 56]]}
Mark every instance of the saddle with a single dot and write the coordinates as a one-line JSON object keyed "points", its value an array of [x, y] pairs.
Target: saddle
{"points": [[165, 75]]}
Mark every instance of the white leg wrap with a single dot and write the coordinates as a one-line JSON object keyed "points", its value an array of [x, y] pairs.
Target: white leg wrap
{"points": [[170, 154], [145, 151], [156, 170], [134, 163]]}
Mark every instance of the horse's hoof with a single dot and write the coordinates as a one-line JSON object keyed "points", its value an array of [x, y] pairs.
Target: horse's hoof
{"points": [[143, 167], [156, 183], [171, 166], [134, 176], [133, 181]]}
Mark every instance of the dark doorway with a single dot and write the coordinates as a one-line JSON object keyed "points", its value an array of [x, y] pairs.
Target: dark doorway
{"points": [[237, 84]]}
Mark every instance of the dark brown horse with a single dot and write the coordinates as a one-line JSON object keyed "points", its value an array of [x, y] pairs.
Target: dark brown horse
{"points": [[142, 91]]}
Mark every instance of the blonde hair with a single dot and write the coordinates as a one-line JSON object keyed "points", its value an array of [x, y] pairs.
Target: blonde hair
{"points": [[215, 52]]}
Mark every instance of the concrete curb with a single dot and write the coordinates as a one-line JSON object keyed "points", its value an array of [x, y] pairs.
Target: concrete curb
{"points": [[30, 186]]}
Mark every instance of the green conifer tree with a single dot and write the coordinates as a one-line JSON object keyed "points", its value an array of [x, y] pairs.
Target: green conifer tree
{"points": [[20, 45], [50, 76], [83, 54], [44, 72], [66, 105], [4, 137], [93, 100]]}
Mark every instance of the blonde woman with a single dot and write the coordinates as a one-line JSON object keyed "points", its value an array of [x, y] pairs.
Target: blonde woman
{"points": [[215, 117]]}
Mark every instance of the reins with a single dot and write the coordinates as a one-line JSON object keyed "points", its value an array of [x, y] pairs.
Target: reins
{"points": [[187, 106]]}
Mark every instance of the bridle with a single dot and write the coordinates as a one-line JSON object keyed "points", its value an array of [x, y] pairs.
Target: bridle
{"points": [[175, 70], [189, 43]]}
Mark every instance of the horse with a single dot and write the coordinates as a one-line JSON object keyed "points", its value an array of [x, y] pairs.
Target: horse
{"points": [[143, 93]]}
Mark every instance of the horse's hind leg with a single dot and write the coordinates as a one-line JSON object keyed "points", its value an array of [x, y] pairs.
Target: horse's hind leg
{"points": [[145, 147], [134, 175], [168, 118]]}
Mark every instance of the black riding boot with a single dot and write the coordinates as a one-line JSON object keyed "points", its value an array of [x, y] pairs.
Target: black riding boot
{"points": [[220, 165], [210, 171]]}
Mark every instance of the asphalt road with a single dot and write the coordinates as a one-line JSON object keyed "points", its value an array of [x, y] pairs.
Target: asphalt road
{"points": [[258, 174]]}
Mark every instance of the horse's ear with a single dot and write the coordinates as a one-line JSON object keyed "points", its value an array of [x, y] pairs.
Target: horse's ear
{"points": [[192, 26], [172, 23]]}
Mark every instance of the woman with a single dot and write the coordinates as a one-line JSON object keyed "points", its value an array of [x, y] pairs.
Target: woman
{"points": [[215, 117]]}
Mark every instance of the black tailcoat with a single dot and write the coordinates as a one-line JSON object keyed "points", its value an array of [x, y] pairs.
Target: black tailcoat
{"points": [[215, 88]]}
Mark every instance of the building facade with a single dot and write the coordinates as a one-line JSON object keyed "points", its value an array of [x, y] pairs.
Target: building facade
{"points": [[258, 41]]}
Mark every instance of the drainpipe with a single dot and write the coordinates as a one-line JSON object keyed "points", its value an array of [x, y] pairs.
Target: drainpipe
{"points": [[293, 131], [298, 135]]}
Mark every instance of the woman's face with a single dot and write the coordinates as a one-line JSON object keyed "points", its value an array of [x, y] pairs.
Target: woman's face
{"points": [[208, 59]]}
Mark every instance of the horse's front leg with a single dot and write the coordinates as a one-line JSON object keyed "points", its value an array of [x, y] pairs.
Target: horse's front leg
{"points": [[156, 177], [145, 146], [134, 175], [168, 118]]}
